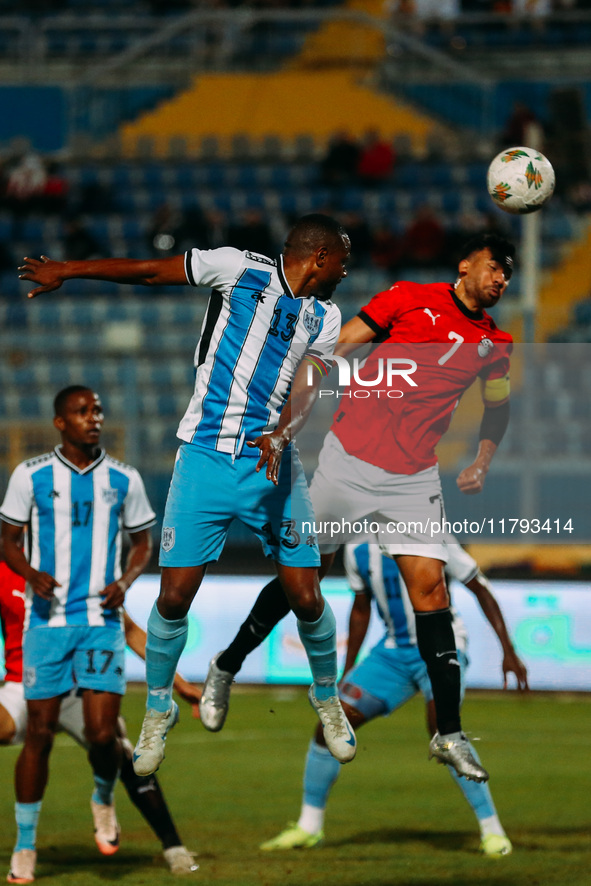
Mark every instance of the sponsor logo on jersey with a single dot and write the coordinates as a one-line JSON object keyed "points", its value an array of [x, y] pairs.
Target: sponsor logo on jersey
{"points": [[168, 538], [311, 322], [485, 347], [262, 259], [433, 316]]}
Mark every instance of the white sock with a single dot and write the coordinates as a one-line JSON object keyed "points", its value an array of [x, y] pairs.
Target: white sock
{"points": [[311, 819], [491, 825]]}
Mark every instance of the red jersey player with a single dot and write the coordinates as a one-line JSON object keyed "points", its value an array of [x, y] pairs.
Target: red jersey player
{"points": [[13, 712], [378, 464]]}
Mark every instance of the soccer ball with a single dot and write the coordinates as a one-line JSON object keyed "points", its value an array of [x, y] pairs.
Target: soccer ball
{"points": [[520, 180]]}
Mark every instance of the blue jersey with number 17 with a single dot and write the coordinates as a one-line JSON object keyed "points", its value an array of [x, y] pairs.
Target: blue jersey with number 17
{"points": [[74, 518], [254, 335]]}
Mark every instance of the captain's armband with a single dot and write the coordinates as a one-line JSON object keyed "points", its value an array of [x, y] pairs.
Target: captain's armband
{"points": [[496, 391]]}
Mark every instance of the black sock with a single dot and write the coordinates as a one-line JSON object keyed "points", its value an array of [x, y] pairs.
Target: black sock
{"points": [[270, 607], [146, 795], [437, 645]]}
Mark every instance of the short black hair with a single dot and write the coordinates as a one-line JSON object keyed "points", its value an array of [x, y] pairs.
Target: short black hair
{"points": [[501, 249], [62, 396], [315, 230]]}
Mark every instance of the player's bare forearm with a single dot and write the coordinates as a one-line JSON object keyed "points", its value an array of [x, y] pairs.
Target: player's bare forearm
{"points": [[492, 611], [294, 415], [359, 619], [138, 558], [152, 272], [471, 480], [353, 334]]}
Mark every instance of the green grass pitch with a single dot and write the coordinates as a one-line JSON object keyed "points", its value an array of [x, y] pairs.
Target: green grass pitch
{"points": [[393, 819]]}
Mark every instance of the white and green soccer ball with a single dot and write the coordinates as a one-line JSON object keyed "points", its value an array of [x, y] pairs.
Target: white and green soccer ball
{"points": [[520, 180]]}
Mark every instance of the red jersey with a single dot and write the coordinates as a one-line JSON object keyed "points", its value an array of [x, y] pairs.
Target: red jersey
{"points": [[12, 616], [436, 348]]}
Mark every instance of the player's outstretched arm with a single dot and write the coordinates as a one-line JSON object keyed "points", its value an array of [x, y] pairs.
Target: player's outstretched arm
{"points": [[511, 662], [304, 392], [153, 272], [135, 637]]}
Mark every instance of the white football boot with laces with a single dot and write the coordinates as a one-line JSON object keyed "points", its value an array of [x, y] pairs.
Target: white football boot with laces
{"points": [[180, 860], [149, 750], [22, 866], [338, 734], [106, 828]]}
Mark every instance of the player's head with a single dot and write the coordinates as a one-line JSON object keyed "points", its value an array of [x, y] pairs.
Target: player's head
{"points": [[485, 268], [78, 416], [320, 245]]}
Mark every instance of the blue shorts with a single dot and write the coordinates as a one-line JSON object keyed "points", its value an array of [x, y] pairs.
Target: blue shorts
{"points": [[56, 660], [387, 678], [209, 490]]}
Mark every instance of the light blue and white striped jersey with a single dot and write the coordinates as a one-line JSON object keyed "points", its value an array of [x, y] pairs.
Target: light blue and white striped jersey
{"points": [[371, 572], [254, 335], [74, 520]]}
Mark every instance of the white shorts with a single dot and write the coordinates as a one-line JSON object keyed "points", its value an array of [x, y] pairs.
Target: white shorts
{"points": [[71, 719], [12, 699], [355, 501]]}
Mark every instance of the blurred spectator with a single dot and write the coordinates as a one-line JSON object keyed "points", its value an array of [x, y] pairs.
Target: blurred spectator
{"points": [[579, 196], [361, 239], [522, 128], [78, 244], [531, 8], [26, 184], [216, 228], [339, 166], [167, 232], [423, 242], [7, 262], [376, 161], [426, 10], [252, 233], [386, 247], [55, 192]]}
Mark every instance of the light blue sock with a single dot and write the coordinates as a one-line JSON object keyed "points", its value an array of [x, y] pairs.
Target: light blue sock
{"points": [[320, 642], [321, 772], [476, 793], [164, 645], [103, 790], [27, 816]]}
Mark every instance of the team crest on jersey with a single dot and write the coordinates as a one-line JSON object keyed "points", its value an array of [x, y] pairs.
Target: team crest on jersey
{"points": [[168, 538], [311, 323], [29, 677], [485, 347], [110, 496]]}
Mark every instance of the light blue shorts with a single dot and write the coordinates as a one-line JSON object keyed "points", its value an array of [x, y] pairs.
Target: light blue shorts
{"points": [[56, 660], [387, 678], [209, 490]]}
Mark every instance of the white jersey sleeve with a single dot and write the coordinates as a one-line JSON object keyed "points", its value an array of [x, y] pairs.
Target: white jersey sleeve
{"points": [[217, 268], [18, 501], [137, 513], [326, 342], [460, 565], [354, 577]]}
